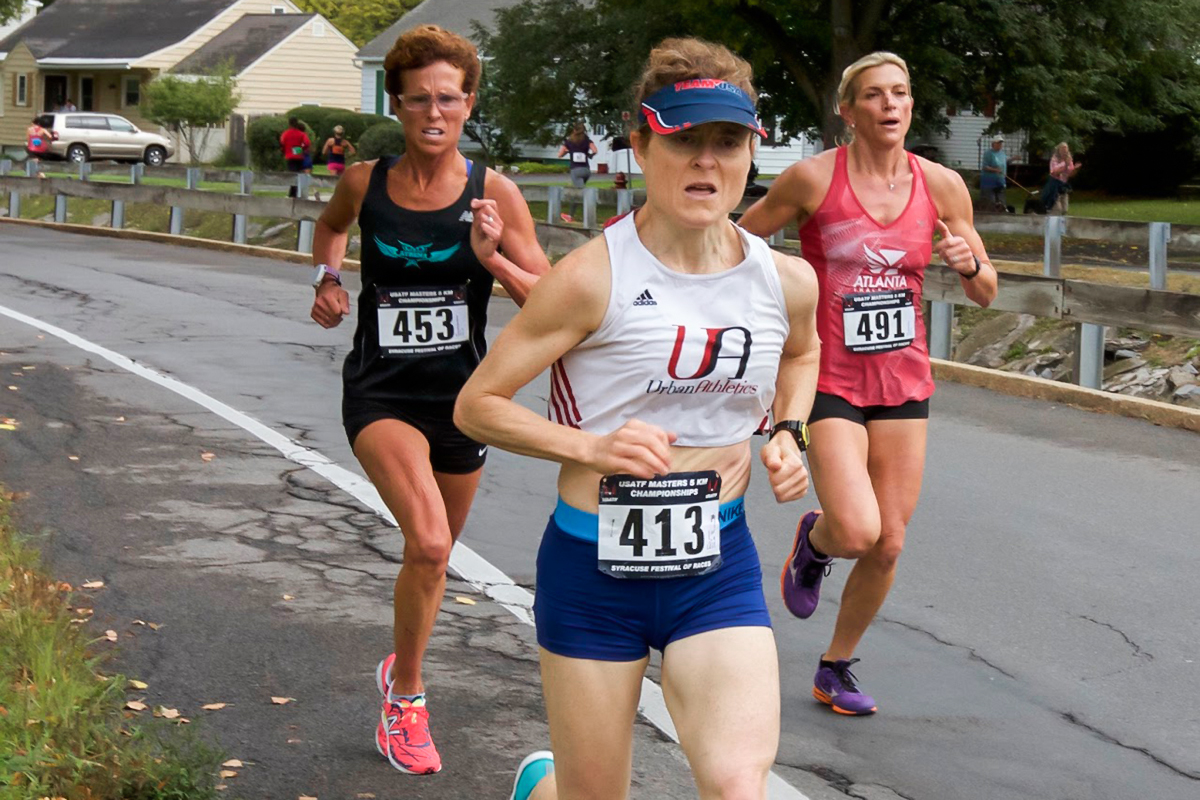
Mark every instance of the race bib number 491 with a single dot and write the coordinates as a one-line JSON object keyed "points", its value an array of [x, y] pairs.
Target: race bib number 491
{"points": [[666, 527], [876, 322], [422, 321]]}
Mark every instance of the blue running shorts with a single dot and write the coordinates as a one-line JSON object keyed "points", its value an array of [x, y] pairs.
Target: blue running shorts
{"points": [[582, 613]]}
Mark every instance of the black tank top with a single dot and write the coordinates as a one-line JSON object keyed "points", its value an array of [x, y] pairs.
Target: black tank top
{"points": [[423, 285], [337, 153]]}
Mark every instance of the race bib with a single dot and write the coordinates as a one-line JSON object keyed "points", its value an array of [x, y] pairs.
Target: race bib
{"points": [[298, 151], [579, 158], [422, 321], [666, 527], [876, 322]]}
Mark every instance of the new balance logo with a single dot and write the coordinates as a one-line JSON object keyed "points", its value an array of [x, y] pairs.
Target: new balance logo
{"points": [[467, 216], [644, 299]]}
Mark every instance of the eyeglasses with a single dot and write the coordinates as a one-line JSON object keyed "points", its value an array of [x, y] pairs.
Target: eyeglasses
{"points": [[446, 101]]}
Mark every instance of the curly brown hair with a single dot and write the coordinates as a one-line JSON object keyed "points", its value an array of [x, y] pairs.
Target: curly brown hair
{"points": [[681, 59], [425, 45]]}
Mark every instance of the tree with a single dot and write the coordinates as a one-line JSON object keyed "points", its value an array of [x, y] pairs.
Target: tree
{"points": [[360, 20], [1062, 70], [191, 105], [482, 127]]}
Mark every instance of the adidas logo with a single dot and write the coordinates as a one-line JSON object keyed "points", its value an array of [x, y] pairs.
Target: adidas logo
{"points": [[644, 299], [467, 216]]}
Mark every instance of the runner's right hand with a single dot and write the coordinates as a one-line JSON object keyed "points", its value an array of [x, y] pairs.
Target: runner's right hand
{"points": [[635, 448], [331, 304]]}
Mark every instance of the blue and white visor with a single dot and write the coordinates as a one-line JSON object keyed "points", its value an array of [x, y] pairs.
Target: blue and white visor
{"points": [[694, 102]]}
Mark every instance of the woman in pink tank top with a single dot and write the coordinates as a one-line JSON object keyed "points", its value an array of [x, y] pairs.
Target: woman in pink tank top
{"points": [[868, 213]]}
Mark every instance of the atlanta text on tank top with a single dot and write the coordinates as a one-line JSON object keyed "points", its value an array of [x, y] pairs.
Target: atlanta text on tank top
{"points": [[873, 349], [420, 267], [693, 354]]}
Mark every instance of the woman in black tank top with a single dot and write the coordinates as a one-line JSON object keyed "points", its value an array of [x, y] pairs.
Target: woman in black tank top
{"points": [[433, 244]]}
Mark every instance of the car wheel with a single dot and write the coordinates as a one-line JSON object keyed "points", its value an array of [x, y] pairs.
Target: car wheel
{"points": [[77, 153], [156, 156]]}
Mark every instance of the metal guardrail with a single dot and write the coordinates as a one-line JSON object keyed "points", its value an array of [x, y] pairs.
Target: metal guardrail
{"points": [[1090, 306]]}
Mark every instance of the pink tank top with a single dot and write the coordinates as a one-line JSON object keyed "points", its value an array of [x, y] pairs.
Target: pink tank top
{"points": [[873, 348]]}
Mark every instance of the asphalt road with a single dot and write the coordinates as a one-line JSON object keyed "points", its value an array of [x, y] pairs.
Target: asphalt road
{"points": [[1041, 640]]}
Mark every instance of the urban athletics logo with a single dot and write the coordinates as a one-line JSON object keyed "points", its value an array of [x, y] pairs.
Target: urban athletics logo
{"points": [[882, 271], [724, 350], [415, 255]]}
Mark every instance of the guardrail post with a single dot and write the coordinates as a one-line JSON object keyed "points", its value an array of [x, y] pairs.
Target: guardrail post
{"points": [[246, 182], [1160, 234], [1089, 355], [5, 166], [32, 168], [624, 201], [304, 237], [14, 205], [589, 207], [554, 199], [941, 328], [176, 228], [118, 214], [776, 238], [136, 172], [85, 170], [60, 208], [1052, 247], [239, 228], [303, 179], [193, 177]]}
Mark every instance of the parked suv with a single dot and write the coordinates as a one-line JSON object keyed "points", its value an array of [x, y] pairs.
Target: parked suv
{"points": [[80, 136]]}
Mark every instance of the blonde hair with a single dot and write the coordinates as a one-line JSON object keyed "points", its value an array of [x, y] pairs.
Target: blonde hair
{"points": [[1061, 150], [681, 59], [846, 89]]}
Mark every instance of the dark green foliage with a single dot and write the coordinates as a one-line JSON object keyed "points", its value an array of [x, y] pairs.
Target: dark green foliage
{"points": [[323, 120], [262, 137], [381, 139]]}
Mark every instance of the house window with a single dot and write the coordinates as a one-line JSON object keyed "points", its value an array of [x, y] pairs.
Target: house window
{"points": [[278, 9], [318, 29], [132, 94], [21, 97]]}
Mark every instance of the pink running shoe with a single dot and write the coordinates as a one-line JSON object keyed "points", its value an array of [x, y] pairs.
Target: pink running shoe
{"points": [[403, 736]]}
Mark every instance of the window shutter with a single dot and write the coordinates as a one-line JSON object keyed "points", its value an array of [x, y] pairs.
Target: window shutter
{"points": [[15, 90], [29, 88]]}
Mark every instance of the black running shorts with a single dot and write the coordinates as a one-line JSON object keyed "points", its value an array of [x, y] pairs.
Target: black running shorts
{"points": [[450, 450]]}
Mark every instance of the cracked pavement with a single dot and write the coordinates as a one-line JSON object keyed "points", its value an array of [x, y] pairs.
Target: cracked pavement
{"points": [[1040, 642]]}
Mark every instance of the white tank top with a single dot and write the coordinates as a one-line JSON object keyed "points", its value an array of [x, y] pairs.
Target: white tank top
{"points": [[696, 355]]}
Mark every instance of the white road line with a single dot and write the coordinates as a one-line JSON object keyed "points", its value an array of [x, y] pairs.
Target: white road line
{"points": [[466, 563]]}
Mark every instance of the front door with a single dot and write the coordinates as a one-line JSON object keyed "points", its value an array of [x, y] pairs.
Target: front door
{"points": [[55, 93], [87, 93]]}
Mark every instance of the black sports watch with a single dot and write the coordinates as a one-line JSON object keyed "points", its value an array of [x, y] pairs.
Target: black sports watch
{"points": [[796, 428]]}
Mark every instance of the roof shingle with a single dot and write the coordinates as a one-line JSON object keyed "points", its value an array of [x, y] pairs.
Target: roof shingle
{"points": [[453, 15], [243, 42]]}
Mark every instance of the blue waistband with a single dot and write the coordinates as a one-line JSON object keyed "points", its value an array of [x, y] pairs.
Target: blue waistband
{"points": [[586, 525]]}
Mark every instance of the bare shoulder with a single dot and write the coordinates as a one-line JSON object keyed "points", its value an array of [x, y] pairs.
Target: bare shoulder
{"points": [[808, 175], [946, 186], [799, 280], [358, 174], [581, 282], [500, 187]]}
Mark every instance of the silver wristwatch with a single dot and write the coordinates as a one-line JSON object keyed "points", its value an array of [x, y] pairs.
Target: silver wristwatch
{"points": [[322, 271]]}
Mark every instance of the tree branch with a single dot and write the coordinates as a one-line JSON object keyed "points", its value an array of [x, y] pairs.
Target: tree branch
{"points": [[785, 48], [868, 24]]}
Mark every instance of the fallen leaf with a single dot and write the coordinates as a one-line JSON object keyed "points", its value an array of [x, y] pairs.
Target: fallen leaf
{"points": [[138, 685], [19, 374], [466, 601], [111, 635], [73, 458], [226, 773], [136, 705], [41, 336], [93, 584], [207, 456], [120, 419], [6, 427], [233, 762], [365, 796], [305, 797], [78, 621], [138, 622], [31, 369], [166, 713], [13, 388], [153, 626], [288, 597], [220, 787], [9, 421], [213, 706], [282, 701], [294, 741]]}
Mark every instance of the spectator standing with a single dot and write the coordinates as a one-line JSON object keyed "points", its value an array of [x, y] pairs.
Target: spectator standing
{"points": [[578, 148], [1062, 168], [993, 177]]}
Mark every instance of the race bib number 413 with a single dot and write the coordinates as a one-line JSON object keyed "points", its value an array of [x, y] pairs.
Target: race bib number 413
{"points": [[876, 322], [666, 527], [422, 321]]}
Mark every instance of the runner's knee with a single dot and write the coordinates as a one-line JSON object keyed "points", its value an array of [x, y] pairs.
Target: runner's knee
{"points": [[428, 552], [748, 783], [887, 550], [856, 536]]}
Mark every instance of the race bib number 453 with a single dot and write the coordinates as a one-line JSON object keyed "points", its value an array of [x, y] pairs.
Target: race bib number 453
{"points": [[666, 527], [422, 321], [876, 322]]}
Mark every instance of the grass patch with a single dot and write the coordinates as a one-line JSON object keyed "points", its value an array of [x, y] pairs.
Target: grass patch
{"points": [[63, 733]]}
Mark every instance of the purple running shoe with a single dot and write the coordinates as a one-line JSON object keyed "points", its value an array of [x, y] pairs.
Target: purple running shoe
{"points": [[836, 687], [800, 582]]}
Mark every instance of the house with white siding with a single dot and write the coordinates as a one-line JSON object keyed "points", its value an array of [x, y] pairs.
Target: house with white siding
{"points": [[100, 53]]}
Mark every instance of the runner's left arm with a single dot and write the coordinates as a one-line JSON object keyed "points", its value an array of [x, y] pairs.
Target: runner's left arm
{"points": [[796, 383], [960, 244], [504, 238]]}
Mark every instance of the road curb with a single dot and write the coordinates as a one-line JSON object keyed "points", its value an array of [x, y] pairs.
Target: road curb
{"points": [[1159, 413], [1154, 411]]}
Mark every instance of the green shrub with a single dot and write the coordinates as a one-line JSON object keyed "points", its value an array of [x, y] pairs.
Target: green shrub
{"points": [[262, 137], [323, 119], [539, 168], [381, 139], [228, 158]]}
